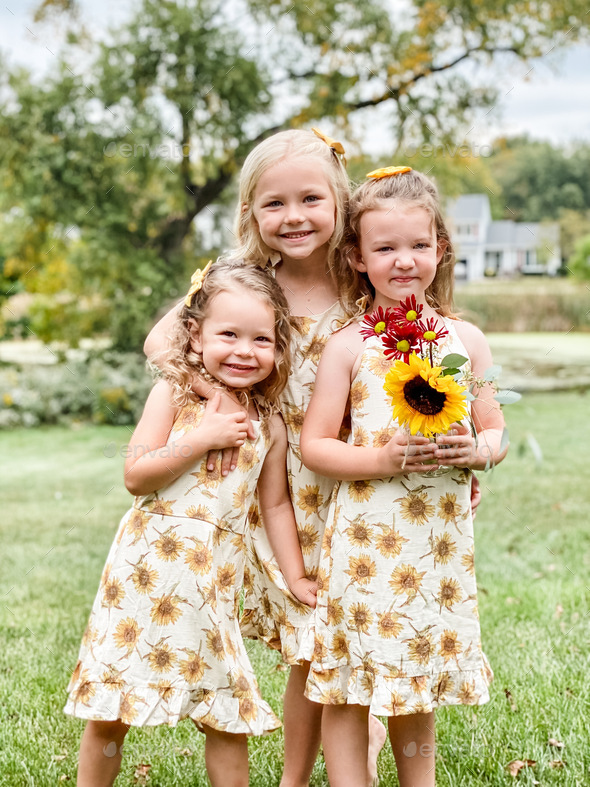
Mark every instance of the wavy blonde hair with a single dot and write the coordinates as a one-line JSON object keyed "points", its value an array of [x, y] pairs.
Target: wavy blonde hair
{"points": [[417, 190], [294, 144], [233, 275]]}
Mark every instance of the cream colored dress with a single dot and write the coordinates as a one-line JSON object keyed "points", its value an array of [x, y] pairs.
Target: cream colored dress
{"points": [[163, 641], [396, 624], [270, 613]]}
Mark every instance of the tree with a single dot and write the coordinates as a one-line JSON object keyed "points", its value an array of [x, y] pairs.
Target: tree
{"points": [[105, 168]]}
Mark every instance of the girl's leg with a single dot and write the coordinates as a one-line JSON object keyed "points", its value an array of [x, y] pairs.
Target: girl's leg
{"points": [[226, 758], [100, 753], [302, 721], [412, 741], [377, 737], [345, 738]]}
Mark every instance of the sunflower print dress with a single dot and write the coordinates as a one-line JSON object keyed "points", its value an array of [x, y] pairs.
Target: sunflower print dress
{"points": [[163, 641], [270, 612], [396, 623]]}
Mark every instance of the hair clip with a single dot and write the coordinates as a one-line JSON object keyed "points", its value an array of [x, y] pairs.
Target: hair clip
{"points": [[197, 282], [387, 172], [337, 147]]}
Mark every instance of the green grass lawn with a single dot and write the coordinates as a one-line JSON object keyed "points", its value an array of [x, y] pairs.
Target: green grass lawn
{"points": [[63, 498]]}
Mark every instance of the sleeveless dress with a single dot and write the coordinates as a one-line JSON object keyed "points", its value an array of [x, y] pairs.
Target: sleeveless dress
{"points": [[163, 641], [270, 612], [396, 623]]}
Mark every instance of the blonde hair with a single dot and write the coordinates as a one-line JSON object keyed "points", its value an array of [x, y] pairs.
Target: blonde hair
{"points": [[418, 190], [229, 276], [296, 143]]}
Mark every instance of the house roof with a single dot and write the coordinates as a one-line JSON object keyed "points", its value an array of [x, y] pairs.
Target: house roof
{"points": [[468, 207]]}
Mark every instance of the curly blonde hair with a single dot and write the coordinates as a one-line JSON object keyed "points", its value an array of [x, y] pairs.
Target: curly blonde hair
{"points": [[419, 191], [233, 275], [293, 144]]}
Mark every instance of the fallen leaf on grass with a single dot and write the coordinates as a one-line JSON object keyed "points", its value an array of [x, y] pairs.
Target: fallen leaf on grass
{"points": [[516, 766], [557, 764], [556, 743], [558, 611], [510, 699], [64, 777], [184, 752], [58, 757], [142, 772]]}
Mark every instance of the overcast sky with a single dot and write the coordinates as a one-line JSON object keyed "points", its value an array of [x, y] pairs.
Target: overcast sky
{"points": [[552, 103]]}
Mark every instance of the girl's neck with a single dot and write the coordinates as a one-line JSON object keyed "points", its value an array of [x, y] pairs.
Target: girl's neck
{"points": [[308, 287]]}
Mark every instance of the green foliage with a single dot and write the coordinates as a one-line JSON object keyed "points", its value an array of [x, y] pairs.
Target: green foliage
{"points": [[108, 388], [579, 263], [104, 167]]}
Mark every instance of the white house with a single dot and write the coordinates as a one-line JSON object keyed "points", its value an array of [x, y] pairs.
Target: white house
{"points": [[499, 248]]}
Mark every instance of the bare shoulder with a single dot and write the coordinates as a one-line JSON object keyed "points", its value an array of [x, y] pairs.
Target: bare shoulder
{"points": [[347, 340], [278, 430], [475, 343]]}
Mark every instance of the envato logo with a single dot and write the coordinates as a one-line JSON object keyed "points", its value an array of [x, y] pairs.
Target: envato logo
{"points": [[165, 150], [447, 149], [472, 749], [171, 451]]}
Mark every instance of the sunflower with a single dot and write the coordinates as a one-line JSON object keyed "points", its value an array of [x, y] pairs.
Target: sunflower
{"points": [[378, 364], [444, 686], [340, 648], [360, 617], [381, 437], [405, 579], [359, 393], [332, 697], [302, 324], [450, 647], [137, 524], [209, 479], [360, 436], [254, 520], [467, 694], [248, 709], [360, 491], [127, 634], [449, 510], [215, 643], [127, 711], [468, 561], [247, 457], [293, 417], [376, 323], [144, 577], [240, 685], [320, 651], [423, 398], [397, 704], [241, 496], [358, 532], [161, 657], [309, 500], [165, 609], [199, 557], [193, 669], [421, 648], [419, 683], [113, 593], [334, 612], [443, 549], [389, 625], [390, 542], [161, 507], [200, 512], [164, 688], [313, 351], [168, 546], [189, 417], [361, 569], [85, 690], [449, 593], [416, 507], [112, 679]]}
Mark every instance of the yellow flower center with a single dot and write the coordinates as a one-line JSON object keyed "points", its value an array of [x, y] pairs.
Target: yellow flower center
{"points": [[429, 336], [403, 346], [380, 327], [411, 315]]}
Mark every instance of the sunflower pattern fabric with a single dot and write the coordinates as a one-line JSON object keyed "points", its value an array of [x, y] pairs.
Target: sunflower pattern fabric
{"points": [[163, 641], [397, 625], [270, 613]]}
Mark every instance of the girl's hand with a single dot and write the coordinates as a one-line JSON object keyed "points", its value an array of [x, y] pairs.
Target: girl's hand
{"points": [[457, 447], [223, 430], [475, 494], [408, 454], [305, 590], [229, 454]]}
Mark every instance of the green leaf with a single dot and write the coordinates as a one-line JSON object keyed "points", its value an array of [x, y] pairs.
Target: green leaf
{"points": [[505, 440], [507, 397], [449, 371], [492, 373], [453, 360]]}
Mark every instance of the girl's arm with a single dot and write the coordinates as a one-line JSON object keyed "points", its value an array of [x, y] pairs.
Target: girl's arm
{"points": [[463, 450], [155, 347], [278, 517], [321, 449], [152, 463]]}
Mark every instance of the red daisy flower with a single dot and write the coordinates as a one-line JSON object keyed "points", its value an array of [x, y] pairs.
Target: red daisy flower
{"points": [[376, 323], [408, 310], [430, 333], [401, 340]]}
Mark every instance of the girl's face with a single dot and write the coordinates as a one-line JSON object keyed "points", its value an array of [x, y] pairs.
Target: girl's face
{"points": [[398, 251], [295, 209], [236, 338]]}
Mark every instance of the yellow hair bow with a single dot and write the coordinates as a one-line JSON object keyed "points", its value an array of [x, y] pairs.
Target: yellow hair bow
{"points": [[387, 172], [337, 147], [197, 282]]}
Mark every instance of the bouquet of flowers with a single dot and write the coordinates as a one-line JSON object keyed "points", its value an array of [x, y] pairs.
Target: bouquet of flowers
{"points": [[428, 393]]}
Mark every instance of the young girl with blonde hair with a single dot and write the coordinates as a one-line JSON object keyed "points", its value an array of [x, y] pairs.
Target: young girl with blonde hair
{"points": [[396, 624], [163, 642]]}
